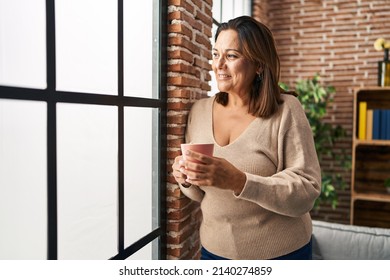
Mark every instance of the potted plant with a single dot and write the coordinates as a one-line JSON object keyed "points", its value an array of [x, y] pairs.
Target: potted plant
{"points": [[315, 99]]}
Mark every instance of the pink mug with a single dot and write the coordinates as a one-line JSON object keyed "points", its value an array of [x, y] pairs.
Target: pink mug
{"points": [[206, 149]]}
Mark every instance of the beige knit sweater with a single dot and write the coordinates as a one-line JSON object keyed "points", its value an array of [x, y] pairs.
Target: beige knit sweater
{"points": [[271, 216]]}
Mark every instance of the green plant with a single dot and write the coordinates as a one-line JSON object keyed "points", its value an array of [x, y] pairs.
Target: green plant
{"points": [[315, 99]]}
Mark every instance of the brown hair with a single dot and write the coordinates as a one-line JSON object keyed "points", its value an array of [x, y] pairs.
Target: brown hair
{"points": [[258, 45]]}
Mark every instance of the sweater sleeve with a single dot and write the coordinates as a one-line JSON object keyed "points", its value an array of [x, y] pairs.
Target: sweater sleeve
{"points": [[193, 192], [293, 189]]}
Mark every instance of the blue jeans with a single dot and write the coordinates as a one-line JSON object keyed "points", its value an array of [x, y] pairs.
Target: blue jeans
{"points": [[303, 253]]}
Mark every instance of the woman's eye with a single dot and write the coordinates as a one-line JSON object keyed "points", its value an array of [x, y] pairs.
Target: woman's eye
{"points": [[231, 56], [215, 55]]}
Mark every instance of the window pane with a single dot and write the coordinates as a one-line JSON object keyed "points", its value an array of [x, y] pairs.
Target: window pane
{"points": [[141, 165], [23, 43], [23, 180], [227, 10], [216, 9], [140, 48], [242, 7], [87, 181], [86, 45], [145, 253], [247, 8]]}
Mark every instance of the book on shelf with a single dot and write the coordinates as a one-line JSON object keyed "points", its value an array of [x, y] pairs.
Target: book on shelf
{"points": [[362, 120], [376, 124], [385, 134], [388, 125], [370, 121], [373, 124]]}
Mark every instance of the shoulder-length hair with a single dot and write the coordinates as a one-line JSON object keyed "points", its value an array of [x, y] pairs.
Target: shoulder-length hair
{"points": [[257, 44]]}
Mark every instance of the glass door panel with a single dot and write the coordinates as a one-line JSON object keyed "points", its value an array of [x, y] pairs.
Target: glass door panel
{"points": [[87, 181], [86, 46], [141, 175], [23, 43], [23, 180], [140, 49]]}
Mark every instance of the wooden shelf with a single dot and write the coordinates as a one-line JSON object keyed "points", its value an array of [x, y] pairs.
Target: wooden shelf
{"points": [[372, 197], [370, 203], [372, 142]]}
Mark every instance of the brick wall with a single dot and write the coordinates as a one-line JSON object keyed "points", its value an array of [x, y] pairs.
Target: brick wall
{"points": [[189, 32], [334, 38]]}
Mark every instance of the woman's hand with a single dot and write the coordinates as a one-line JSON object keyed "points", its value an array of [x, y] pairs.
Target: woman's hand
{"points": [[202, 170], [179, 176]]}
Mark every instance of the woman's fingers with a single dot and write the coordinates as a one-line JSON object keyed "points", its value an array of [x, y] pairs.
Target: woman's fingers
{"points": [[202, 170], [177, 167], [198, 157]]}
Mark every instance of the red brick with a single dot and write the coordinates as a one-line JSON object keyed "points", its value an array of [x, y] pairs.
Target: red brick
{"points": [[209, 2], [182, 250], [179, 214], [179, 93], [183, 81], [172, 155], [180, 238], [181, 54], [204, 18], [182, 68], [203, 64], [179, 105], [178, 203], [174, 193], [174, 142], [176, 130], [178, 15], [201, 39], [183, 42], [178, 225], [182, 3], [181, 29]]}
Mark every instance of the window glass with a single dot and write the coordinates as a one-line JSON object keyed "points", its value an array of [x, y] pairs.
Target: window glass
{"points": [[87, 137], [23, 180], [227, 10], [23, 43], [242, 7], [216, 9], [86, 152], [140, 49], [86, 46], [140, 168], [145, 253]]}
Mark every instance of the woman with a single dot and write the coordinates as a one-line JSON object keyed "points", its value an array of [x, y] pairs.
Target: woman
{"points": [[257, 190]]}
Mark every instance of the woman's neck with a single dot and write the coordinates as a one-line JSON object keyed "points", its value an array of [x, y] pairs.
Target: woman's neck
{"points": [[237, 101]]}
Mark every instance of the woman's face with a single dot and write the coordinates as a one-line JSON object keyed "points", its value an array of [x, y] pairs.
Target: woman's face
{"points": [[234, 73]]}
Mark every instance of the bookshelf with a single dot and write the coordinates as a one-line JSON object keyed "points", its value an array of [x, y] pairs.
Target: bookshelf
{"points": [[370, 201]]}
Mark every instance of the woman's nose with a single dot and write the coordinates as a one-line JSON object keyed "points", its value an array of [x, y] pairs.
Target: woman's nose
{"points": [[220, 62]]}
